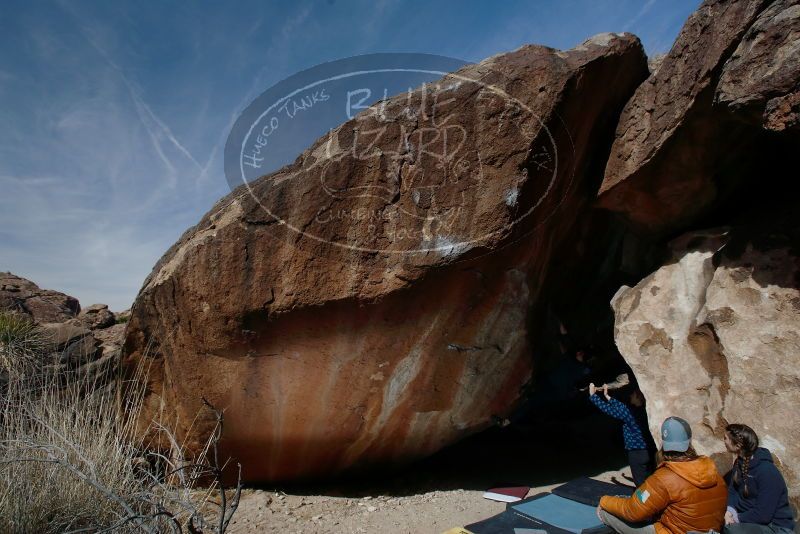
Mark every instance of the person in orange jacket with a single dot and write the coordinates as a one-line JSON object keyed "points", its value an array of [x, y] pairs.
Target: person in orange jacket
{"points": [[685, 493]]}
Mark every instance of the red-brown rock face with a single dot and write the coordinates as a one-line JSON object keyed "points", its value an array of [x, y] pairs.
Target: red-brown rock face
{"points": [[761, 80], [333, 339], [697, 129]]}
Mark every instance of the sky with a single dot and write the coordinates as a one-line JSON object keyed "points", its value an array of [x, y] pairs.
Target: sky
{"points": [[114, 115]]}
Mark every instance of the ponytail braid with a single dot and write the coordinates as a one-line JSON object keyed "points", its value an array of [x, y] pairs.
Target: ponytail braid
{"points": [[746, 439], [745, 465]]}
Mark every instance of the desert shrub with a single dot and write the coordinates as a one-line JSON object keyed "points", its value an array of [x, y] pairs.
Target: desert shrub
{"points": [[21, 343], [71, 461]]}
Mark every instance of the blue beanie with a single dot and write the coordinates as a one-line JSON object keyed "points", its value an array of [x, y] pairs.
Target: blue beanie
{"points": [[676, 434]]}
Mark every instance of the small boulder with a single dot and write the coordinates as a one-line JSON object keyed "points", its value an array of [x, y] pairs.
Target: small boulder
{"points": [[110, 338], [96, 316]]}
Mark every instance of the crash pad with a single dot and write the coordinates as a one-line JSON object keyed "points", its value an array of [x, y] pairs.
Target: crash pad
{"points": [[510, 522], [588, 491], [560, 513]]}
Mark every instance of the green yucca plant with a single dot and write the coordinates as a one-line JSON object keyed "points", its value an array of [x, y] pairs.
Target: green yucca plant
{"points": [[21, 344]]}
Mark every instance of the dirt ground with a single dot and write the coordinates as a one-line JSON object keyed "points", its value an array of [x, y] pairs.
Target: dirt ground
{"points": [[444, 491]]}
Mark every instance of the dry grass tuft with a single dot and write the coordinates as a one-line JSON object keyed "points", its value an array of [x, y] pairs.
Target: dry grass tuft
{"points": [[70, 459]]}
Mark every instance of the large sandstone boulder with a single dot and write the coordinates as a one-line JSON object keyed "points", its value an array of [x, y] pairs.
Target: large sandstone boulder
{"points": [[702, 128], [334, 341], [713, 337]]}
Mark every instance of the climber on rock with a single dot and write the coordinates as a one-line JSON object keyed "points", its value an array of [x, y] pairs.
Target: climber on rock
{"points": [[638, 442]]}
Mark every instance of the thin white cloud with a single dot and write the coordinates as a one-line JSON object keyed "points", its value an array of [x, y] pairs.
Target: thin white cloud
{"points": [[648, 5], [106, 208], [156, 128]]}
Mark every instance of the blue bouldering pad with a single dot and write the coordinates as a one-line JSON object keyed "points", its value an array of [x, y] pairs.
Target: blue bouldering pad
{"points": [[562, 514]]}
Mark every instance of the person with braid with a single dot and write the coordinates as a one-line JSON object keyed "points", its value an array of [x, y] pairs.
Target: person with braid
{"points": [[758, 500]]}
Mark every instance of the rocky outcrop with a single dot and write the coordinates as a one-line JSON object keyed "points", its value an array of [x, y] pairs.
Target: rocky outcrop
{"points": [[41, 305], [702, 128], [712, 334], [713, 337], [333, 340], [77, 342]]}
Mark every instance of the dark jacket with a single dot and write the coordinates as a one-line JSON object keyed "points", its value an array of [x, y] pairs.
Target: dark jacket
{"points": [[768, 500], [632, 430]]}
